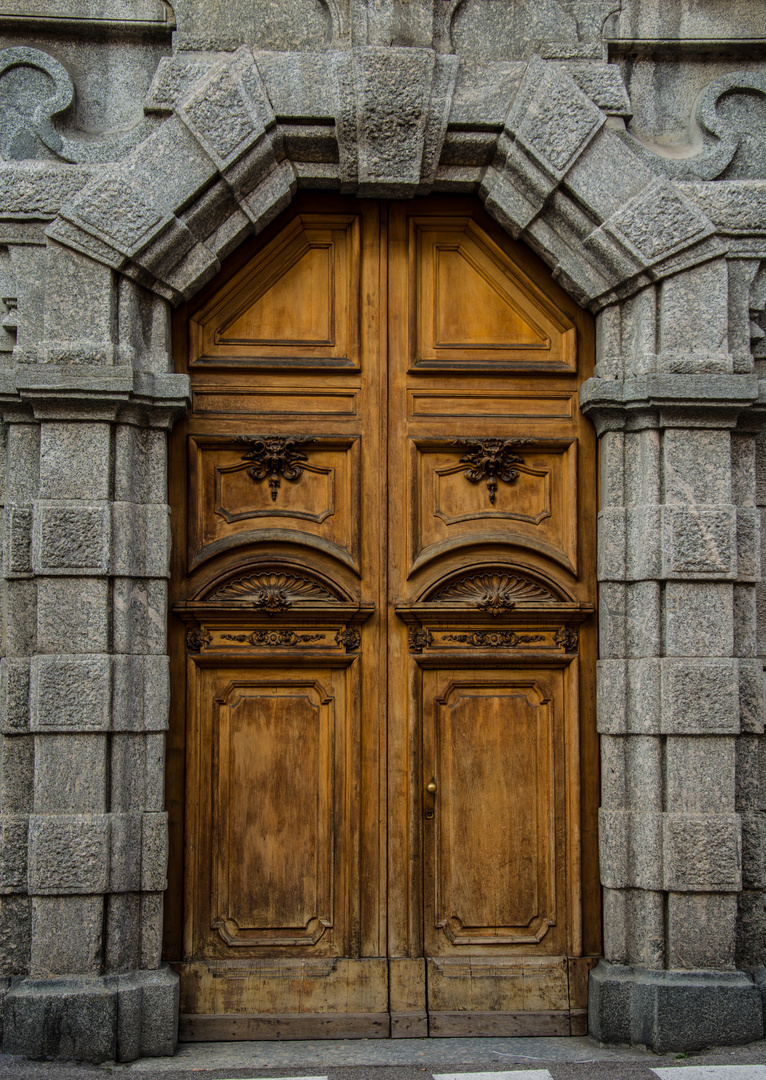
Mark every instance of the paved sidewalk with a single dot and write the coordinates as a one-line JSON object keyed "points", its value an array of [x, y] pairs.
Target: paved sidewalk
{"points": [[412, 1059]]}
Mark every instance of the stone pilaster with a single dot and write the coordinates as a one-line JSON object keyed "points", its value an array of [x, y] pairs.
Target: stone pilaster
{"points": [[680, 699], [85, 699]]}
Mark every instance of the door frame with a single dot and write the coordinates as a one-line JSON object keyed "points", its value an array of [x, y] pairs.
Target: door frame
{"points": [[401, 920]]}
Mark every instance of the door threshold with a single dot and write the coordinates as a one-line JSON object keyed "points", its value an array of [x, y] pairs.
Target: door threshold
{"points": [[279, 1027]]}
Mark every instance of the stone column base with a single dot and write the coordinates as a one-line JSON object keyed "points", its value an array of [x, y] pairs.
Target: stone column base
{"points": [[670, 1011], [107, 1018]]}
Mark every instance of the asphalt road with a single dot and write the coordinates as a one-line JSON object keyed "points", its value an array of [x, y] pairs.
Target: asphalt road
{"points": [[410, 1059]]}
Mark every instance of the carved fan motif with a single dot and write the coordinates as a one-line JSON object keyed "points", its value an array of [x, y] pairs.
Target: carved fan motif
{"points": [[273, 592], [494, 592]]}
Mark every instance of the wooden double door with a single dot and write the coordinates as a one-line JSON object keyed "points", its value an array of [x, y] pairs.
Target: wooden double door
{"points": [[382, 764]]}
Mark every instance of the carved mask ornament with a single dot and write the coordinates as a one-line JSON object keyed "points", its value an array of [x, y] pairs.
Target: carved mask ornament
{"points": [[273, 457], [491, 459]]}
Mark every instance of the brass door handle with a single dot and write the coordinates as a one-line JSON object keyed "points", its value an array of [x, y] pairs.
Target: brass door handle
{"points": [[431, 786]]}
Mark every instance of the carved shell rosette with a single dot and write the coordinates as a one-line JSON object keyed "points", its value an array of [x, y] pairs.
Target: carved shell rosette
{"points": [[494, 592], [272, 592]]}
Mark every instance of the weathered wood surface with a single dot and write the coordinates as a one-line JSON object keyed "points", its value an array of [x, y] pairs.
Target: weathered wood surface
{"points": [[383, 740]]}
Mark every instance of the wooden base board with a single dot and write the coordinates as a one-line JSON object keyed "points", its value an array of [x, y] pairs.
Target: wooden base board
{"points": [[456, 1025], [444, 1025], [409, 1025], [270, 1026], [578, 1019]]}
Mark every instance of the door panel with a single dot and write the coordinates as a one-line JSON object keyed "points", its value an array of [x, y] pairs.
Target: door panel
{"points": [[382, 762], [471, 307], [490, 854], [255, 320], [537, 508], [490, 479], [315, 491], [272, 743]]}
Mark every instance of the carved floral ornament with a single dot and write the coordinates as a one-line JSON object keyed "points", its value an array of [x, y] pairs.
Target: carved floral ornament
{"points": [[275, 639], [198, 638], [493, 639], [568, 638], [421, 638]]}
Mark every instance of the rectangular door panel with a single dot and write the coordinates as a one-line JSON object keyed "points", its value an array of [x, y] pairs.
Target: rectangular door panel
{"points": [[492, 741], [273, 793], [233, 402], [498, 996], [284, 999], [495, 404], [248, 485], [274, 825], [462, 495]]}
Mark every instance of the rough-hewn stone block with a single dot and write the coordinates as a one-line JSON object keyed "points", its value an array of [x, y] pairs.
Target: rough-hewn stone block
{"points": [[154, 852], [14, 694], [700, 696], [70, 539], [137, 772], [672, 1010], [13, 854], [139, 615], [702, 853], [125, 863], [140, 540], [699, 542], [67, 936], [75, 461], [70, 774], [123, 932], [699, 774], [73, 614], [702, 931], [70, 693], [17, 545], [68, 854], [630, 845], [141, 698], [699, 619]]}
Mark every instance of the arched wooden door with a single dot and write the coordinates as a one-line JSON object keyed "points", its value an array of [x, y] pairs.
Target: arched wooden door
{"points": [[383, 775]]}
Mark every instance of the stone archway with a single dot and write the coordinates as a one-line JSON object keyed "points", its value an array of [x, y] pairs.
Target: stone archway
{"points": [[679, 694]]}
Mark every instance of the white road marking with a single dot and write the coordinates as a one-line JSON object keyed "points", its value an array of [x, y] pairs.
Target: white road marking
{"points": [[712, 1072], [530, 1074]]}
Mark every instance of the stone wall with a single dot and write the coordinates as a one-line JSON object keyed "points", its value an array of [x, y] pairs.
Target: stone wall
{"points": [[142, 143]]}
